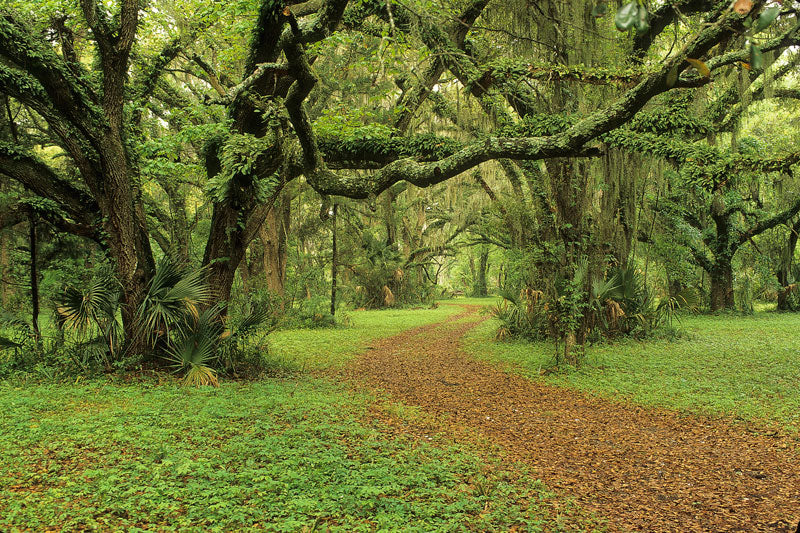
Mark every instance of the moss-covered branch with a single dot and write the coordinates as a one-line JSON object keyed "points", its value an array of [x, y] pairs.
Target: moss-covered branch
{"points": [[662, 17], [36, 72], [37, 176], [568, 143], [770, 222], [700, 164]]}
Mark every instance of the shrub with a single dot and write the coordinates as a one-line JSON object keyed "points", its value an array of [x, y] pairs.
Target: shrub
{"points": [[176, 318], [618, 305], [16, 343], [382, 278]]}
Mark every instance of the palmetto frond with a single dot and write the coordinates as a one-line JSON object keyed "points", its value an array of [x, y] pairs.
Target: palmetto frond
{"points": [[610, 288], [13, 321], [194, 354], [246, 325], [96, 305], [5, 343], [200, 376], [175, 293], [194, 351]]}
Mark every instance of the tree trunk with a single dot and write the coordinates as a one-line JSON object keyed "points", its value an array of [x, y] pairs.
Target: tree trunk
{"points": [[785, 269], [675, 286], [334, 261], [129, 243], [244, 275], [180, 232], [722, 287], [34, 281], [5, 287], [783, 294], [472, 273], [229, 239], [235, 220], [483, 266], [387, 199], [224, 251], [273, 234], [6, 290]]}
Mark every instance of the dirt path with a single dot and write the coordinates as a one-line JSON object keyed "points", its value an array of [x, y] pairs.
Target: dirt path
{"points": [[643, 469]]}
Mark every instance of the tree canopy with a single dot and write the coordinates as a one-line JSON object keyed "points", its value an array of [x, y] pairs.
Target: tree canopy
{"points": [[158, 127]]}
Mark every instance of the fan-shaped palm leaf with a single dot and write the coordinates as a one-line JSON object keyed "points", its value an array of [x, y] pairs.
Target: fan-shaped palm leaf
{"points": [[194, 354], [195, 348], [14, 321], [610, 288], [6, 343], [248, 324], [174, 294], [96, 305], [688, 299]]}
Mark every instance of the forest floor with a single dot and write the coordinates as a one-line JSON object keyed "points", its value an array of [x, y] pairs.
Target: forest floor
{"points": [[642, 468], [289, 452]]}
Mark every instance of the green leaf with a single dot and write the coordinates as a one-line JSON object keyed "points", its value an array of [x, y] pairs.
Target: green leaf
{"points": [[599, 10], [627, 16], [642, 23], [766, 18], [97, 304], [5, 342], [672, 77], [756, 58]]}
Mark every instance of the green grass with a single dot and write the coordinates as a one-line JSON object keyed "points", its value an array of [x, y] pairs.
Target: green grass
{"points": [[744, 366], [274, 455], [314, 349]]}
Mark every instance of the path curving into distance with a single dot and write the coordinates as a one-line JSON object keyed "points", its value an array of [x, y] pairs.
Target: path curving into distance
{"points": [[644, 469]]}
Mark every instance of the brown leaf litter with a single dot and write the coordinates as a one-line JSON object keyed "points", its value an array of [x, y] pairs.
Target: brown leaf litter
{"points": [[642, 468]]}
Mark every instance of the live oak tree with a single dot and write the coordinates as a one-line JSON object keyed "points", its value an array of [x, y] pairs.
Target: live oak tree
{"points": [[709, 205], [90, 88]]}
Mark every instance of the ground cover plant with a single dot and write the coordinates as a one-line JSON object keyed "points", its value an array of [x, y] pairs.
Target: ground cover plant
{"points": [[282, 455], [743, 366]]}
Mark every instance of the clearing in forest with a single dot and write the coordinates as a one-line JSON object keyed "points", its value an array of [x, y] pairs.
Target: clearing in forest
{"points": [[646, 469]]}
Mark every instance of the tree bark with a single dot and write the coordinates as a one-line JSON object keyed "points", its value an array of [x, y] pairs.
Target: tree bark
{"points": [[387, 200], [483, 266], [5, 288], [273, 234], [237, 219], [785, 269], [675, 286], [223, 251], [472, 273], [34, 280], [128, 237], [722, 286], [334, 261], [783, 294], [244, 275]]}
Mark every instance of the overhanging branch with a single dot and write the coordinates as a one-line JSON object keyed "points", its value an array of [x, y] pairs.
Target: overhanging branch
{"points": [[771, 222], [43, 181], [569, 143]]}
